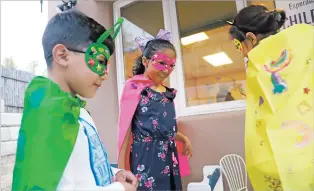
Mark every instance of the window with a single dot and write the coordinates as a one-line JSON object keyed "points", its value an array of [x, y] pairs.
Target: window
{"points": [[269, 4], [213, 69], [137, 25], [210, 72]]}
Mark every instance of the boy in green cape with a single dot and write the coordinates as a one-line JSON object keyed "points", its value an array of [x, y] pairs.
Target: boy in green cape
{"points": [[58, 145]]}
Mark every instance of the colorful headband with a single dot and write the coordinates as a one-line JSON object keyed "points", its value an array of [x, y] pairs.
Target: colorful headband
{"points": [[237, 44], [142, 41], [98, 54]]}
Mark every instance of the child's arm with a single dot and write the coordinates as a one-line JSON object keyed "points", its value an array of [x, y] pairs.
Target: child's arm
{"points": [[123, 154], [181, 137], [72, 180], [125, 176], [115, 170], [78, 175], [116, 186], [187, 150]]}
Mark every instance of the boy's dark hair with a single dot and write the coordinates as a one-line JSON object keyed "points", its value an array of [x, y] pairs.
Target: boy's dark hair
{"points": [[151, 48], [258, 20], [74, 30]]}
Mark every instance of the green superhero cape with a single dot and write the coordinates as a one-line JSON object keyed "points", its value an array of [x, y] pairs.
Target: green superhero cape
{"points": [[47, 136]]}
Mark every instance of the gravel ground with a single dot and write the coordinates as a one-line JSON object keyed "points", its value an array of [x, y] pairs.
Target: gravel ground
{"points": [[6, 171]]}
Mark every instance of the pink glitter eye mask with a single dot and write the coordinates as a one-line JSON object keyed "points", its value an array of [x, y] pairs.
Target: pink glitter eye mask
{"points": [[162, 62]]}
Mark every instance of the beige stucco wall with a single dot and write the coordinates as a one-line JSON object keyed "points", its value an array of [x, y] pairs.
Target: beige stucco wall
{"points": [[212, 136]]}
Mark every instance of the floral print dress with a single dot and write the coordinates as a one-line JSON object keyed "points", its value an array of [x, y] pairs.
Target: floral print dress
{"points": [[154, 157]]}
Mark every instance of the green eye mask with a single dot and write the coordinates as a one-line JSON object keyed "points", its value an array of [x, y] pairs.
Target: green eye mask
{"points": [[98, 54]]}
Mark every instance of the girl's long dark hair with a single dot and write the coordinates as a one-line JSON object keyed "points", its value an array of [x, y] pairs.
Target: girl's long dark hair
{"points": [[258, 20]]}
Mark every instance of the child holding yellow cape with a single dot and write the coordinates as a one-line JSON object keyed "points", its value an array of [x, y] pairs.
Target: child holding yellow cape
{"points": [[279, 117]]}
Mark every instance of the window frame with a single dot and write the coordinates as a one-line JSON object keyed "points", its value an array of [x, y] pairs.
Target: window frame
{"points": [[177, 79]]}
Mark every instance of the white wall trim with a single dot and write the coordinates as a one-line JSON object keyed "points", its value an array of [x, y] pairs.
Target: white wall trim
{"points": [[214, 108], [169, 26], [177, 77], [241, 4], [119, 46]]}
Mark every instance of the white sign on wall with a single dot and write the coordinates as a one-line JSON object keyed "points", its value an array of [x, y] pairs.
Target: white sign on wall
{"points": [[298, 11]]}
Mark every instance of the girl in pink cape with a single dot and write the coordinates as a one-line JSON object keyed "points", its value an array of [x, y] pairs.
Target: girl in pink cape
{"points": [[148, 131]]}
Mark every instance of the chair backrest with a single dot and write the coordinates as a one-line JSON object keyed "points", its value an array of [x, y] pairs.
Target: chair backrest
{"points": [[234, 169]]}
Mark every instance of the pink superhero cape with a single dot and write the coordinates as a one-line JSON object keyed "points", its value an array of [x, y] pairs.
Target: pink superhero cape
{"points": [[129, 100]]}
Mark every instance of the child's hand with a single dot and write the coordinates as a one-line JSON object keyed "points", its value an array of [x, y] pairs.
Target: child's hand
{"points": [[187, 147], [127, 176]]}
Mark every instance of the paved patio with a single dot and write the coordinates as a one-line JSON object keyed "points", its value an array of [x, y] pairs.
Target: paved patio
{"points": [[6, 171]]}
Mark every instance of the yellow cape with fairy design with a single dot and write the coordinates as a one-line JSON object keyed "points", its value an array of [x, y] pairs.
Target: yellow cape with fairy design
{"points": [[279, 133]]}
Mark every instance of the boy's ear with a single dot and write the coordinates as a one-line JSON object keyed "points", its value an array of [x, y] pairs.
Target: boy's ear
{"points": [[60, 55]]}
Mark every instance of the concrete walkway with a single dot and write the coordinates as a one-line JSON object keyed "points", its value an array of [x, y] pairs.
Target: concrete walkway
{"points": [[6, 172]]}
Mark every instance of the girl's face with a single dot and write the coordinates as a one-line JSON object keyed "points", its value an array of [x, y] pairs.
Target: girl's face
{"points": [[160, 66]]}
